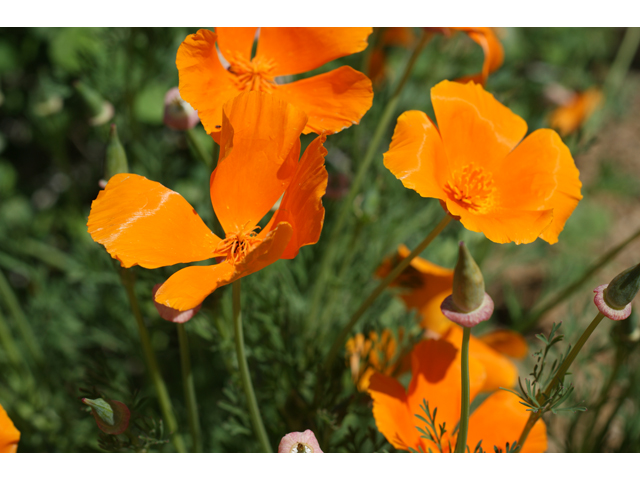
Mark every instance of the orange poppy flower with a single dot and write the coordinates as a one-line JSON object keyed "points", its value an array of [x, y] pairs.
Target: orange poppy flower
{"points": [[9, 434], [141, 222], [436, 380], [332, 101], [569, 117], [476, 163]]}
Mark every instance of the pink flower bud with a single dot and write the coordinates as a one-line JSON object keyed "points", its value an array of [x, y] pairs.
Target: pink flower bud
{"points": [[607, 310], [299, 442], [111, 416], [178, 114], [171, 314]]}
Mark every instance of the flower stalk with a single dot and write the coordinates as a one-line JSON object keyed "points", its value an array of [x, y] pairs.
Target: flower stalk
{"points": [[461, 443], [189, 390], [254, 411]]}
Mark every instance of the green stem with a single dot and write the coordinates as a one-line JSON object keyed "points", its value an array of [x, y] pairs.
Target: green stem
{"points": [[336, 231], [152, 363], [8, 343], [215, 153], [386, 281], [189, 390], [570, 289], [461, 444], [533, 418], [197, 148], [623, 60], [20, 319], [254, 411]]}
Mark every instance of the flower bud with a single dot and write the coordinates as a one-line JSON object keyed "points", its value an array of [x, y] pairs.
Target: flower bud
{"points": [[178, 114], [98, 109], [299, 442], [115, 160], [111, 416], [614, 299], [469, 304]]}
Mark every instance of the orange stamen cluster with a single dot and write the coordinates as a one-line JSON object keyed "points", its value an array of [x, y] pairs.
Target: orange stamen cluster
{"points": [[237, 245], [472, 188], [254, 74]]}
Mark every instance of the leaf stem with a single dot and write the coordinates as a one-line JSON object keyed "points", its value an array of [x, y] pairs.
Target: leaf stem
{"points": [[189, 390], [254, 411], [461, 443], [197, 148], [128, 281]]}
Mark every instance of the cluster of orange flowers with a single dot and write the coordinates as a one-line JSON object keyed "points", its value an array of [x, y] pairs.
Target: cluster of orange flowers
{"points": [[476, 161]]}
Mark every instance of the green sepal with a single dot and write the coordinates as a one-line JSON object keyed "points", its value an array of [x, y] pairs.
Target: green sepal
{"points": [[623, 288], [111, 416], [468, 283], [102, 409], [115, 158]]}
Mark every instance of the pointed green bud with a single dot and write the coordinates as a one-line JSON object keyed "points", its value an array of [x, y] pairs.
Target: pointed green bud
{"points": [[623, 288], [468, 283], [115, 160], [111, 416], [97, 108]]}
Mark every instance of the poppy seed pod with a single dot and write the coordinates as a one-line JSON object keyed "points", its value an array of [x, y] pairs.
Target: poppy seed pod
{"points": [[115, 158], [614, 299], [97, 108], [111, 416]]}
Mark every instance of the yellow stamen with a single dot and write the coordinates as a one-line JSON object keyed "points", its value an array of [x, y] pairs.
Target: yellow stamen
{"points": [[472, 188], [254, 74], [237, 245]]}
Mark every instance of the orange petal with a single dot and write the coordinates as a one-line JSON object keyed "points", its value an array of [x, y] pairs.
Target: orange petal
{"points": [[236, 40], [501, 371], [9, 434], [568, 118], [399, 36], [500, 419], [204, 82], [474, 126], [141, 222], [436, 378], [417, 156], [301, 205], [259, 149], [334, 100], [506, 342], [541, 174], [493, 51], [300, 49], [391, 413], [188, 287]]}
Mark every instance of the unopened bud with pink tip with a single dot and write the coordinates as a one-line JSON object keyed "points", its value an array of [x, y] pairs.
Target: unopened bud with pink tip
{"points": [[111, 416], [469, 304], [178, 114], [299, 442], [614, 299]]}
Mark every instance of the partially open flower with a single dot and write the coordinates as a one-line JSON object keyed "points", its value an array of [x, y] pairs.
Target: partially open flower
{"points": [[111, 416], [299, 442], [614, 299], [9, 434], [178, 114]]}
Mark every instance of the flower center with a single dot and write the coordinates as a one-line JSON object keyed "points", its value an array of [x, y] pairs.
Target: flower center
{"points": [[471, 188], [254, 74], [237, 245], [301, 448]]}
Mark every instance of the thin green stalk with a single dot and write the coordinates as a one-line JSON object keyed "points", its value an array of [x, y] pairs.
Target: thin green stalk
{"points": [[386, 281], [20, 319], [215, 153], [566, 292], [197, 148], [623, 60], [387, 115], [461, 443], [189, 390], [254, 411], [535, 416], [152, 363]]}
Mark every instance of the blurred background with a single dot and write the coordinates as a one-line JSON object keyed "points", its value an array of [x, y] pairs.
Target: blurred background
{"points": [[66, 326]]}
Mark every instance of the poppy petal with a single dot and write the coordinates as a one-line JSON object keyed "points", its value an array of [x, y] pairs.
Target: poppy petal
{"points": [[492, 48], [334, 100], [236, 40], [417, 156], [301, 205], [500, 419], [506, 342], [257, 158], [204, 82], [501, 371], [541, 173], [474, 126], [390, 411], [9, 434], [141, 222], [268, 251], [300, 49]]}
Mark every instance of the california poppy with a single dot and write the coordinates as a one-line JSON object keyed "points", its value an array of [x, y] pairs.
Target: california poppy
{"points": [[9, 434], [332, 101], [492, 48], [476, 163], [436, 380], [141, 222], [569, 117]]}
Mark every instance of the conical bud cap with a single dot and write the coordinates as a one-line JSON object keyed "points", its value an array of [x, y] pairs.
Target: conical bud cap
{"points": [[623, 288], [115, 160], [468, 283], [111, 416]]}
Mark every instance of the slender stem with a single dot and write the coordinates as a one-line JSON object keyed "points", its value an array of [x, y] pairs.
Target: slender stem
{"points": [[461, 444], [254, 411], [533, 418], [385, 119], [152, 363], [20, 319], [386, 281], [623, 60], [189, 390], [570, 289], [197, 148], [215, 153]]}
